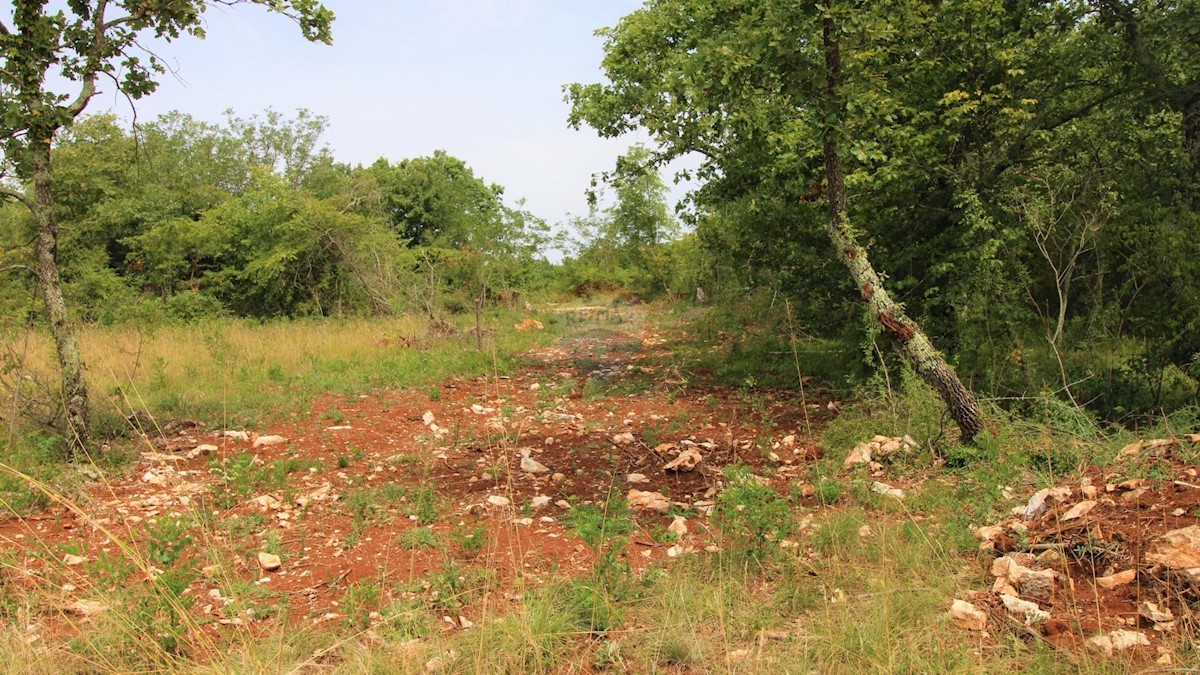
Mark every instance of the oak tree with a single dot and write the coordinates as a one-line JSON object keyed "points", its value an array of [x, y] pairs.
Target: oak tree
{"points": [[53, 61]]}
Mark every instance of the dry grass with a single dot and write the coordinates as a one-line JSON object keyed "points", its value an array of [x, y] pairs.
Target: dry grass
{"points": [[237, 372]]}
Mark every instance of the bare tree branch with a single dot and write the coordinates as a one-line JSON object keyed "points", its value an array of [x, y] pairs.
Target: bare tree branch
{"points": [[19, 196]]}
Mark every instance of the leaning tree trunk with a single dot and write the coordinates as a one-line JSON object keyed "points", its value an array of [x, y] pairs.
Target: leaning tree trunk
{"points": [[926, 360], [70, 360]]}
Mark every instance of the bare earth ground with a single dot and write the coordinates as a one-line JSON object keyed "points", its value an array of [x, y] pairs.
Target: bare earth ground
{"points": [[340, 496], [464, 439]]}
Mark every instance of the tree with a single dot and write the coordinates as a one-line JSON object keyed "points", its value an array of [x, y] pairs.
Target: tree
{"points": [[78, 46], [623, 241], [460, 224], [760, 90]]}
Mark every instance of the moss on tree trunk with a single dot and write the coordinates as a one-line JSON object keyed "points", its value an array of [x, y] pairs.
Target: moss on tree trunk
{"points": [[928, 362], [70, 360]]}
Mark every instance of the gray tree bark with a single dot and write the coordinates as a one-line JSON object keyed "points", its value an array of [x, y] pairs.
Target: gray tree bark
{"points": [[70, 360], [928, 362]]}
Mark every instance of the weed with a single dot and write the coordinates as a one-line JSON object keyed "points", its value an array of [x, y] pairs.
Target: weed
{"points": [[604, 530], [360, 601], [253, 601], [109, 572], [424, 504], [453, 586], [470, 544], [751, 513], [163, 611], [404, 619], [419, 538], [827, 490]]}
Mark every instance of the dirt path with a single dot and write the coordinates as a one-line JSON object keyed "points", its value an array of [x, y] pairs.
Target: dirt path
{"points": [[421, 495]]}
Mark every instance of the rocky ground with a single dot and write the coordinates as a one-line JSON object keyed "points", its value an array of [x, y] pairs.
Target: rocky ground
{"points": [[308, 509], [455, 496]]}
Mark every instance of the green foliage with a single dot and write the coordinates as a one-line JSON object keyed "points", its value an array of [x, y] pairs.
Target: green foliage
{"points": [[1030, 192], [604, 528], [752, 514], [626, 245], [470, 544], [420, 538], [163, 610]]}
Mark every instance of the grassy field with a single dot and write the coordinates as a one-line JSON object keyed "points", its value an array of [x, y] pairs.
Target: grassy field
{"points": [[814, 574], [236, 372]]}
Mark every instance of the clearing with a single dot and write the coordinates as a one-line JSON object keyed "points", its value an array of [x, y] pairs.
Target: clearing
{"points": [[415, 523]]}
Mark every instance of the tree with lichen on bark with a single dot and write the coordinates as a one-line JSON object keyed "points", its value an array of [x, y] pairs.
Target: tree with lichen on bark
{"points": [[759, 89], [52, 63]]}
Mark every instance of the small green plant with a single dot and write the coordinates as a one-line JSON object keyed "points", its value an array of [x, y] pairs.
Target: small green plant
{"points": [[360, 600], [827, 490], [470, 544], [604, 529], [163, 611], [608, 655], [752, 513], [253, 601], [424, 504], [109, 572], [453, 586], [405, 619], [419, 538]]}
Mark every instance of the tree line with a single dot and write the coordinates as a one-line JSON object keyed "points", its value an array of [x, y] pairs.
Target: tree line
{"points": [[1015, 183], [1004, 192], [183, 219]]}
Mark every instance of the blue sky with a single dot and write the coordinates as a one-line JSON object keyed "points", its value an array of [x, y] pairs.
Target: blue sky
{"points": [[480, 79]]}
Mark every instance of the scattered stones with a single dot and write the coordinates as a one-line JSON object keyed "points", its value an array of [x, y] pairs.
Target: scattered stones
{"points": [[267, 441], [269, 562], [1027, 611], [1118, 579], [531, 465], [687, 460], [647, 501], [861, 454], [1152, 612], [320, 494], [636, 478], [1078, 511], [1039, 502], [1012, 573], [876, 449], [267, 502], [1158, 446], [1117, 641], [85, 608], [678, 527], [888, 490], [967, 616], [1179, 551]]}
